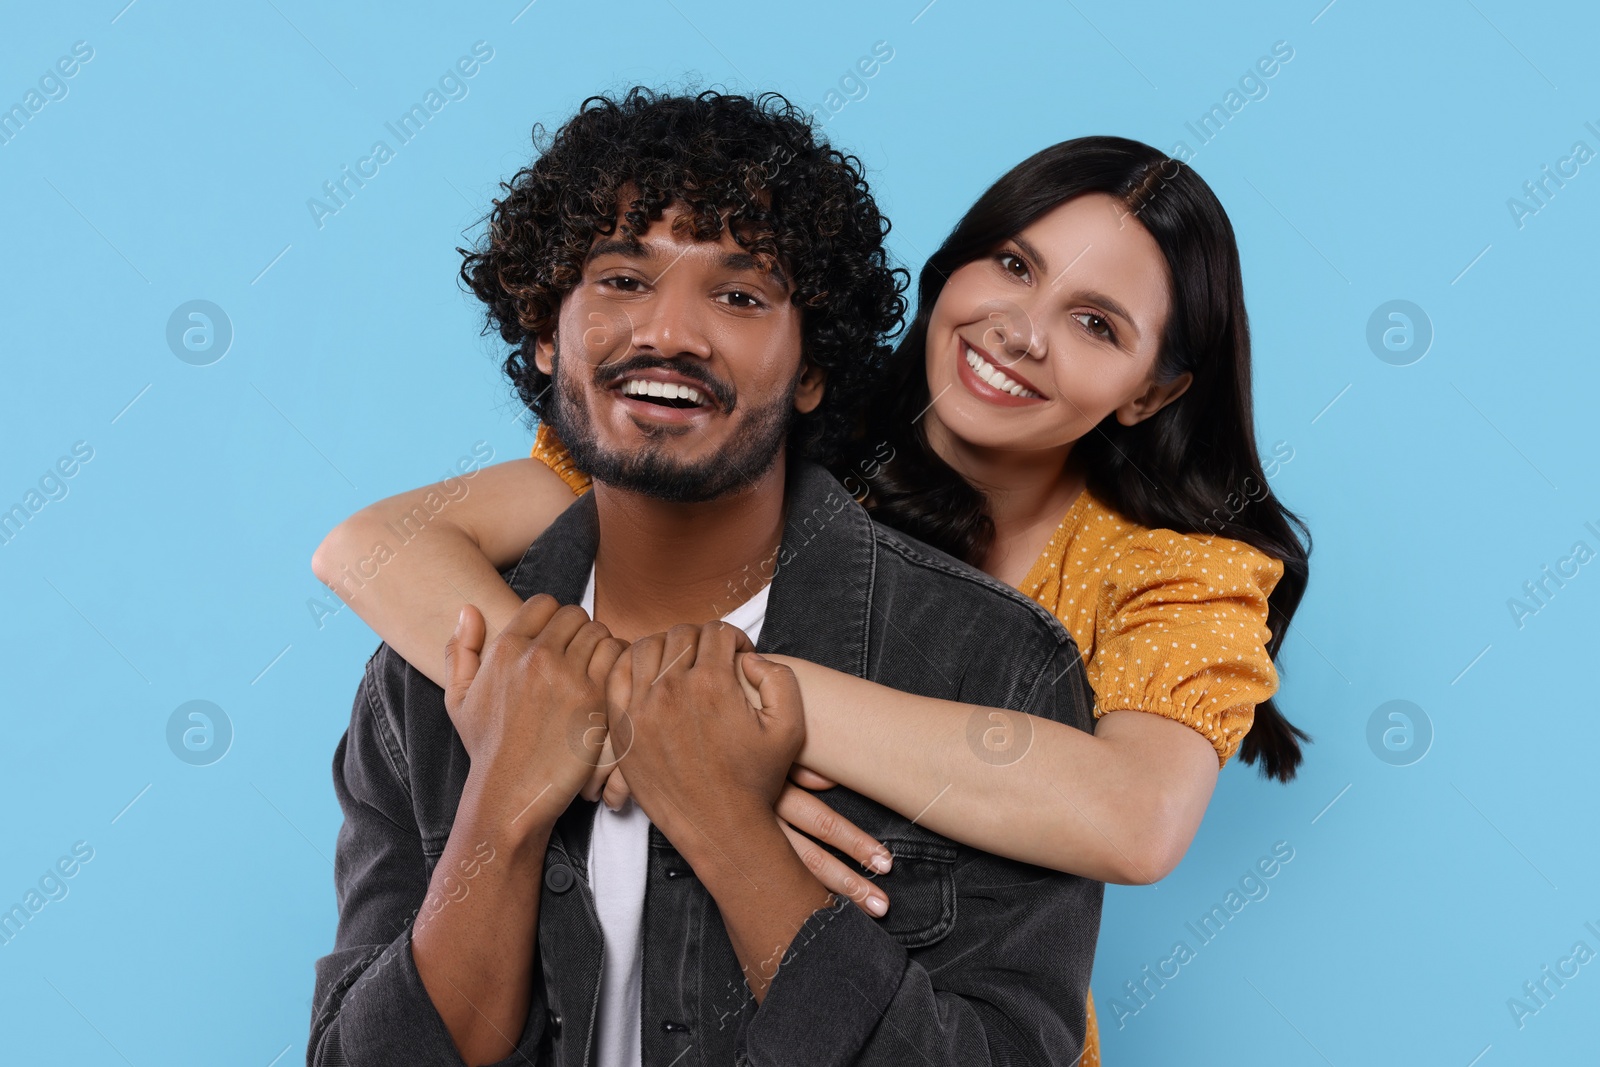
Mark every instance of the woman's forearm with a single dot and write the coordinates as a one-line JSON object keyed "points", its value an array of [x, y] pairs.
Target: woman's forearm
{"points": [[412, 600], [1119, 805], [410, 561]]}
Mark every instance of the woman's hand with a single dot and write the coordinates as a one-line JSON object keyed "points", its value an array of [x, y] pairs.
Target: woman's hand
{"points": [[798, 810]]}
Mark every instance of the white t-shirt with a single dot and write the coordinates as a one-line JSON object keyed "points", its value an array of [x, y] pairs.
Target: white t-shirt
{"points": [[619, 851]]}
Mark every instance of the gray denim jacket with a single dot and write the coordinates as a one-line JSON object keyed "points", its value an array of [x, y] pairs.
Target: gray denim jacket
{"points": [[980, 960]]}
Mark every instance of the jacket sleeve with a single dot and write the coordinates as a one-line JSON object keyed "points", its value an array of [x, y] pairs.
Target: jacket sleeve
{"points": [[371, 1007], [1008, 985]]}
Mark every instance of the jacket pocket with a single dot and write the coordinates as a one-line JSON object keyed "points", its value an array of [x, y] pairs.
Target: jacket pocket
{"points": [[921, 885]]}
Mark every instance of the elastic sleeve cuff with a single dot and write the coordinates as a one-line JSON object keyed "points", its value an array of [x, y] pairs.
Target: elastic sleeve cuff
{"points": [[838, 978], [387, 1017]]}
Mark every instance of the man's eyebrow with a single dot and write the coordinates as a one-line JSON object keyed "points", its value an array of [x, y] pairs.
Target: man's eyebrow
{"points": [[620, 246], [1091, 295], [746, 261]]}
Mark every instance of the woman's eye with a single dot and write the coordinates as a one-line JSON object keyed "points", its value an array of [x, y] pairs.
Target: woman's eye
{"points": [[622, 283], [741, 299], [1013, 264], [1099, 325]]}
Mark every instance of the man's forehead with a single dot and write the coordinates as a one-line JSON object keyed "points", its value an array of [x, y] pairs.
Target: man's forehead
{"points": [[661, 239]]}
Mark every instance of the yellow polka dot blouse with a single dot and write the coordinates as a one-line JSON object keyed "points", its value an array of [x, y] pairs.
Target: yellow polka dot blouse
{"points": [[1170, 623]]}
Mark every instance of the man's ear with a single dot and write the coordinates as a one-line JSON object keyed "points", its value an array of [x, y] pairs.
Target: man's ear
{"points": [[1153, 399], [808, 389], [544, 347]]}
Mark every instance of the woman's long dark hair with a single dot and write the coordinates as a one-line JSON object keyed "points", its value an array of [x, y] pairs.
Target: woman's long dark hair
{"points": [[1193, 466]]}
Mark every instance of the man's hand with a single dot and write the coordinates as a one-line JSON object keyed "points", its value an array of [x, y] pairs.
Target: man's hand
{"points": [[707, 768], [704, 764], [531, 710]]}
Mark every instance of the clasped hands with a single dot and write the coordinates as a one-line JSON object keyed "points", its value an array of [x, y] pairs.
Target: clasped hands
{"points": [[705, 730]]}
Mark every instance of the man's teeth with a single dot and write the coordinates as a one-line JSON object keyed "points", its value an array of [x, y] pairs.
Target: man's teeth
{"points": [[665, 390], [992, 374]]}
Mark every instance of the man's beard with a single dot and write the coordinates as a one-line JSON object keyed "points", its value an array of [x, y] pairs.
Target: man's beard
{"points": [[650, 470]]}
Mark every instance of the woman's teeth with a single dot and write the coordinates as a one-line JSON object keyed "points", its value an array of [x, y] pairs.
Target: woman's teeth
{"points": [[993, 376], [664, 390]]}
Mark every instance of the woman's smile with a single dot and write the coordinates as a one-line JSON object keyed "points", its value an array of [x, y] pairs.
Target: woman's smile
{"points": [[986, 381]]}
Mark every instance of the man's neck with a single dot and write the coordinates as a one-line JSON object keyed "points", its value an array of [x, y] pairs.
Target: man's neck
{"points": [[660, 563]]}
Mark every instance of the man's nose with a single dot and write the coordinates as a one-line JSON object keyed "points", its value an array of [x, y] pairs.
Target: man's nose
{"points": [[671, 325]]}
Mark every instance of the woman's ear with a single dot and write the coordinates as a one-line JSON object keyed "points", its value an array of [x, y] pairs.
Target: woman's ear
{"points": [[1155, 397], [808, 389], [544, 347]]}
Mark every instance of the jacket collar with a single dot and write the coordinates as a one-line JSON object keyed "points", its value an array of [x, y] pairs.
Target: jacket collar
{"points": [[820, 604]]}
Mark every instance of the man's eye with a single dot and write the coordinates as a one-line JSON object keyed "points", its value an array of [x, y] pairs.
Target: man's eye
{"points": [[622, 283], [741, 299]]}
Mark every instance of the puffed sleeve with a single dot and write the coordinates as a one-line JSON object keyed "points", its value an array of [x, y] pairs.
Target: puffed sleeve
{"points": [[548, 449], [1181, 630]]}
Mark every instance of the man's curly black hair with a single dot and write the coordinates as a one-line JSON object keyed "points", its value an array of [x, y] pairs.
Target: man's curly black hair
{"points": [[788, 198]]}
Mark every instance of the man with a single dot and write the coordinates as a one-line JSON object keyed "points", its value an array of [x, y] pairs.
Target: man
{"points": [[698, 294]]}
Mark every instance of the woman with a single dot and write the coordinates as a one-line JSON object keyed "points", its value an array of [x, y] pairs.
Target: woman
{"points": [[1069, 411]]}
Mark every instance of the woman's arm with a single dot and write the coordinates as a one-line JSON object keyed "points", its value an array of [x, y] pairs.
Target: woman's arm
{"points": [[454, 554], [1118, 805]]}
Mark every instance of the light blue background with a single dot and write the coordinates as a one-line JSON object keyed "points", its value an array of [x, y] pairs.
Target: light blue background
{"points": [[1377, 167]]}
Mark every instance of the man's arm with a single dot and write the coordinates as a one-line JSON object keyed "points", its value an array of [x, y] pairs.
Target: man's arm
{"points": [[465, 968], [372, 1005]]}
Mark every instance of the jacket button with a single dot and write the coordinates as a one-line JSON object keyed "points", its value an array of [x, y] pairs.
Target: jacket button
{"points": [[671, 1027], [553, 1022], [558, 879]]}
